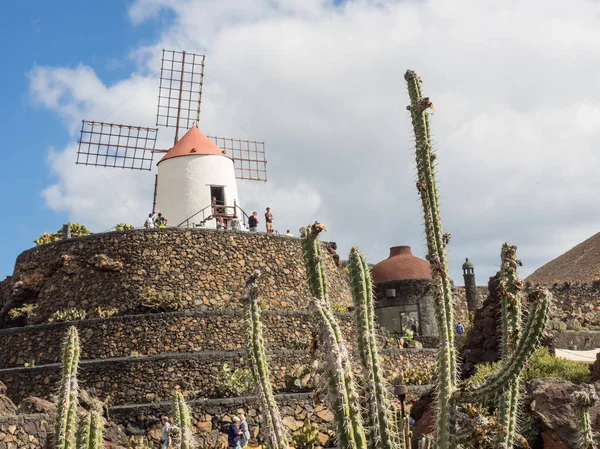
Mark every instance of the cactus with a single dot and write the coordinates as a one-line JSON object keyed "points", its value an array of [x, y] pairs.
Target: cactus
{"points": [[405, 433], [510, 292], [584, 399], [66, 412], [518, 350], [342, 397], [83, 431], [379, 420], [183, 420], [275, 429]]}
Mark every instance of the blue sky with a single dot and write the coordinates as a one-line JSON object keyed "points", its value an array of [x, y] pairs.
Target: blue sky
{"points": [[65, 33], [321, 83]]}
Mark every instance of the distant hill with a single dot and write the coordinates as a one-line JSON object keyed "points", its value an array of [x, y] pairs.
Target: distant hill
{"points": [[580, 264]]}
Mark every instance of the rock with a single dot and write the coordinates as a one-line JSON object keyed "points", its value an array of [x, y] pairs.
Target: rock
{"points": [[33, 405], [291, 423], [133, 429], [549, 400], [325, 415], [595, 376], [323, 439], [204, 426], [115, 434], [7, 408]]}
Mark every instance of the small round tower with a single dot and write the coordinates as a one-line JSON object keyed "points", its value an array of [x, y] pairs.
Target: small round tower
{"points": [[190, 175], [403, 290], [473, 299]]}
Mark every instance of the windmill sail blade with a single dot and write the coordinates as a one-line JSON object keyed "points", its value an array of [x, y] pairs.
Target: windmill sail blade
{"points": [[180, 90], [116, 146], [249, 158]]}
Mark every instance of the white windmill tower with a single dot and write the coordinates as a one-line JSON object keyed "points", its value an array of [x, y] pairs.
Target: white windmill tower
{"points": [[196, 180]]}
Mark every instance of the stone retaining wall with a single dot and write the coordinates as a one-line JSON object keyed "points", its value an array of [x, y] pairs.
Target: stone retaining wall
{"points": [[210, 418], [152, 334], [195, 269], [149, 379], [576, 340], [23, 431]]}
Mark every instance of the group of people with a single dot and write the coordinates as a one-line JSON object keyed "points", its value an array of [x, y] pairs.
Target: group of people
{"points": [[155, 220], [237, 436], [253, 221]]}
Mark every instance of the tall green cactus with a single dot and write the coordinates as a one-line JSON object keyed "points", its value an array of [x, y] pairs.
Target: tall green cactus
{"points": [[516, 350], [342, 396], [275, 430], [583, 399], [379, 420], [66, 412], [510, 293], [183, 420]]}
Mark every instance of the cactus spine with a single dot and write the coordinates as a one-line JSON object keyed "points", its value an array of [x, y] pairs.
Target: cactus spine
{"points": [[66, 412], [275, 429], [96, 440], [183, 420], [584, 399], [343, 400], [379, 420]]}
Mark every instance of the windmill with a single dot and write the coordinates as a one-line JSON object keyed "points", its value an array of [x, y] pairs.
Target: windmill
{"points": [[199, 189]]}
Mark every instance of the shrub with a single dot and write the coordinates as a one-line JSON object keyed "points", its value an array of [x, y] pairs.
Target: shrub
{"points": [[124, 227], [77, 230], [164, 301], [542, 364], [232, 383], [339, 308], [26, 311], [558, 325], [307, 437], [99, 312], [67, 315], [573, 325]]}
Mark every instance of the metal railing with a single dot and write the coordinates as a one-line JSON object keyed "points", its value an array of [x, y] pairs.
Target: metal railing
{"points": [[214, 211]]}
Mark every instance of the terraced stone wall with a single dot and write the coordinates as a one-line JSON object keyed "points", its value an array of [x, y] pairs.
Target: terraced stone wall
{"points": [[195, 269], [152, 334], [139, 380]]}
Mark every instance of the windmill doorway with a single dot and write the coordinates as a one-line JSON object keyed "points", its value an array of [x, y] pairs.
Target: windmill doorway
{"points": [[217, 195]]}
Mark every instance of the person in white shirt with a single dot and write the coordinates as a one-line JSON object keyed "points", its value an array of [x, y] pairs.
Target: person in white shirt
{"points": [[164, 439], [149, 223]]}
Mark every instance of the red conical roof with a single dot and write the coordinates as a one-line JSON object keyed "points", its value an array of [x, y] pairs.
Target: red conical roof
{"points": [[194, 143]]}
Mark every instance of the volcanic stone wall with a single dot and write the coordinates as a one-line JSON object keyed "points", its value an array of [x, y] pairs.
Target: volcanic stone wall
{"points": [[197, 269], [153, 334], [23, 431], [139, 380]]}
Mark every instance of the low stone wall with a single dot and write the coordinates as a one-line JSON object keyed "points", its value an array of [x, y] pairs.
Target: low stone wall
{"points": [[152, 334], [211, 417], [151, 379], [23, 431], [579, 301], [195, 269], [576, 340]]}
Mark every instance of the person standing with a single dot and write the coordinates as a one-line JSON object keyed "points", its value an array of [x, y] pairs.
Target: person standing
{"points": [[269, 220], [459, 329], [161, 221], [253, 222], [149, 223], [234, 434], [245, 437], [165, 438]]}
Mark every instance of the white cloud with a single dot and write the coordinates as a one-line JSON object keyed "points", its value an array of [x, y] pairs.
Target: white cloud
{"points": [[516, 119]]}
